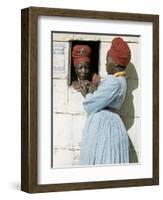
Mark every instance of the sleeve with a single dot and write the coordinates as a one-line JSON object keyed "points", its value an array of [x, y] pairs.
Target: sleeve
{"points": [[105, 94]]}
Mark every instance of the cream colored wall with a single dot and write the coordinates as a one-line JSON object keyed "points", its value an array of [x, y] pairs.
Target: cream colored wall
{"points": [[68, 112]]}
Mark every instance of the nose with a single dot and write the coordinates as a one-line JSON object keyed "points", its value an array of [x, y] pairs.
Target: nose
{"points": [[83, 70]]}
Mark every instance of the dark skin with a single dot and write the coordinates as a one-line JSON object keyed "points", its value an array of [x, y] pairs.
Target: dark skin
{"points": [[82, 71], [111, 68], [83, 85]]}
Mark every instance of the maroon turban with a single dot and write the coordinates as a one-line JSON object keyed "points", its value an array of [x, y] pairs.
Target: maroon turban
{"points": [[119, 52], [81, 53]]}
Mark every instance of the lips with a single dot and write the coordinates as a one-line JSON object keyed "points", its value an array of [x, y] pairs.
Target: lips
{"points": [[83, 75]]}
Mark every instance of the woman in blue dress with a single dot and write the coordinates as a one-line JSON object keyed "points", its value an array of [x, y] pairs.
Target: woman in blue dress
{"points": [[105, 139]]}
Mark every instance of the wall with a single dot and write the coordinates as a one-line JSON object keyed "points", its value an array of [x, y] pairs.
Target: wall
{"points": [[68, 113], [10, 99]]}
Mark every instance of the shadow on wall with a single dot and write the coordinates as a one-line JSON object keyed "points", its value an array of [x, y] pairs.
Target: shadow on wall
{"points": [[127, 111]]}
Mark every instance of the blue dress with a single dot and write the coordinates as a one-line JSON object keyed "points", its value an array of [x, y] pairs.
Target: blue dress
{"points": [[105, 139]]}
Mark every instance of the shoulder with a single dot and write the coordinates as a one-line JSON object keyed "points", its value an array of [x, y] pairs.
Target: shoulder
{"points": [[110, 78], [111, 81]]}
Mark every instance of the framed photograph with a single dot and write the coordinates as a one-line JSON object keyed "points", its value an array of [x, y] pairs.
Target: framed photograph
{"points": [[90, 99]]}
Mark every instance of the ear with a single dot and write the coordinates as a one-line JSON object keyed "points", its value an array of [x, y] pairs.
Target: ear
{"points": [[114, 63]]}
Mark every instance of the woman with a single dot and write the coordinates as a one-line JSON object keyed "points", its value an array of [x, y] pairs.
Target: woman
{"points": [[81, 56], [105, 139]]}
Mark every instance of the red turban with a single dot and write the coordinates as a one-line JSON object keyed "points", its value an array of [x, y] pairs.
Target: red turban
{"points": [[119, 52], [81, 53]]}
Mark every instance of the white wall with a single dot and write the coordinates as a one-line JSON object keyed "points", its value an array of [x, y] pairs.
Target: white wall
{"points": [[10, 98]]}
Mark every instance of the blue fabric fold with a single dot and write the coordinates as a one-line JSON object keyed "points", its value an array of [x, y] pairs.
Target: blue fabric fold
{"points": [[105, 139]]}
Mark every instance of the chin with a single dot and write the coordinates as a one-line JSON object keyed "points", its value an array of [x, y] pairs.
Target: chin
{"points": [[83, 78]]}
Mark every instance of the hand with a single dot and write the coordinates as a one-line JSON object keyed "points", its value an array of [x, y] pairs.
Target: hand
{"points": [[83, 88], [92, 88], [95, 82], [96, 79]]}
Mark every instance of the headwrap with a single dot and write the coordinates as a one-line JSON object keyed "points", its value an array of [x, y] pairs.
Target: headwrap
{"points": [[81, 53], [119, 52]]}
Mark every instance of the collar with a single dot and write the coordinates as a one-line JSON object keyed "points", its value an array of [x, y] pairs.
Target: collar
{"points": [[123, 74]]}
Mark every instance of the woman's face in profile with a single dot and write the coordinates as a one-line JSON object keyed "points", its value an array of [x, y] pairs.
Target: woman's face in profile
{"points": [[82, 70], [110, 66]]}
